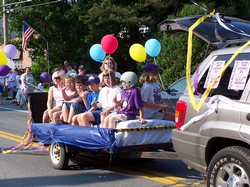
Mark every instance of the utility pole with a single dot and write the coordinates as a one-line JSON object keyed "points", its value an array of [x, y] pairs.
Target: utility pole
{"points": [[6, 11], [5, 24]]}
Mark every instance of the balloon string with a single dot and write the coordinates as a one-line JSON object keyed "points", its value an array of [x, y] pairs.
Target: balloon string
{"points": [[170, 101], [108, 65], [111, 84], [30, 84], [161, 83]]}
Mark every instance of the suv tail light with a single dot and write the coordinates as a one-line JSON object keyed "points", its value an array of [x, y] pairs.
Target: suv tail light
{"points": [[180, 113]]}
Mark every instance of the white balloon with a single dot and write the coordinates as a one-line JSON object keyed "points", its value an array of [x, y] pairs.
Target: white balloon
{"points": [[10, 63]]}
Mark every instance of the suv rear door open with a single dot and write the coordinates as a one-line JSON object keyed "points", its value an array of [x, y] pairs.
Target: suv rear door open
{"points": [[210, 30]]}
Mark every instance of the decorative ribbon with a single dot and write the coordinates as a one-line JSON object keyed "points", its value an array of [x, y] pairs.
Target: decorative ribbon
{"points": [[145, 128], [195, 83], [201, 7], [215, 104], [220, 21], [208, 90], [227, 28], [189, 55], [27, 140]]}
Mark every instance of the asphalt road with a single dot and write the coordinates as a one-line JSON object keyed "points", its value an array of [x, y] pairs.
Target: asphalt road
{"points": [[33, 168]]}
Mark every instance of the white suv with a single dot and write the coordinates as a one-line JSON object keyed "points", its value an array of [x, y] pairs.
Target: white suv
{"points": [[216, 140]]}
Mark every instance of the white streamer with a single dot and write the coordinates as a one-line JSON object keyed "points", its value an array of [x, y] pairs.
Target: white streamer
{"points": [[31, 84], [214, 105], [226, 27]]}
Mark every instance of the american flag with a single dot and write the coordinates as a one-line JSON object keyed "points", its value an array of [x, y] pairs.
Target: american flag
{"points": [[27, 33]]}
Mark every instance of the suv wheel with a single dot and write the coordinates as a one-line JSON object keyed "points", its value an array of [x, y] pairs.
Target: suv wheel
{"points": [[230, 167]]}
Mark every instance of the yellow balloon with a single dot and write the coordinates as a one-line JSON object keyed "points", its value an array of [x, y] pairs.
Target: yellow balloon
{"points": [[3, 58], [137, 52]]}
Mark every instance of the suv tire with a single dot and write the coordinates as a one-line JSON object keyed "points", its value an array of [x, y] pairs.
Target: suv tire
{"points": [[230, 167]]}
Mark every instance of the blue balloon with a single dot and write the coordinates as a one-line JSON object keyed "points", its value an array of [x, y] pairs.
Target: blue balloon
{"points": [[153, 47], [97, 53]]}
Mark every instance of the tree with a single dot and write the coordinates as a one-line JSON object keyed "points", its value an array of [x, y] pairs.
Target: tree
{"points": [[62, 24], [236, 8], [174, 47], [39, 66], [173, 54], [124, 20], [72, 27]]}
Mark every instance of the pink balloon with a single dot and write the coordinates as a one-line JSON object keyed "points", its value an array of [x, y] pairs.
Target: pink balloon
{"points": [[109, 44], [45, 77], [4, 70]]}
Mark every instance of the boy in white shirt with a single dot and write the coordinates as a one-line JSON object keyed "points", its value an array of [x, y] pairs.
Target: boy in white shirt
{"points": [[19, 93], [39, 86]]}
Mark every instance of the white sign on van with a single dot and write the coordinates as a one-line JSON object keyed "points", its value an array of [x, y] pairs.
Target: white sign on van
{"points": [[239, 75], [214, 70]]}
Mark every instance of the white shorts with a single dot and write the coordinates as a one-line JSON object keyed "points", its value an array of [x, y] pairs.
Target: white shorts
{"points": [[157, 115], [120, 117]]}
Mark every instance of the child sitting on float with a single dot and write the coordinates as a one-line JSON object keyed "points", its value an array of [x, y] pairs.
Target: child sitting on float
{"points": [[105, 101], [54, 96], [154, 106], [75, 105], [129, 105], [69, 88], [94, 84]]}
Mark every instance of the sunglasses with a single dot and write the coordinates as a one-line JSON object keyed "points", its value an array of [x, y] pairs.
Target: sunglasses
{"points": [[107, 63], [57, 78]]}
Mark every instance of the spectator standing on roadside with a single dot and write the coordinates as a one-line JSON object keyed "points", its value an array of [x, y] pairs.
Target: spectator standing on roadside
{"points": [[70, 69], [27, 85], [57, 69], [65, 63], [17, 75], [7, 86], [12, 85], [19, 93], [17, 83], [39, 86], [2, 83], [81, 71]]}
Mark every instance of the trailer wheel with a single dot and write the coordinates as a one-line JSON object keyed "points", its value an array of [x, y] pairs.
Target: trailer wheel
{"points": [[58, 156], [230, 167]]}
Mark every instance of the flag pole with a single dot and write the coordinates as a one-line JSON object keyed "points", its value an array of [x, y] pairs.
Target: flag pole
{"points": [[47, 49], [47, 45]]}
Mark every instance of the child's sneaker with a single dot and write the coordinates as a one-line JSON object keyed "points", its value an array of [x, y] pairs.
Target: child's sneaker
{"points": [[59, 121]]}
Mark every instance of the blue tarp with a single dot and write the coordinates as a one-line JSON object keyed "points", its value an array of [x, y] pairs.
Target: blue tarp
{"points": [[85, 137]]}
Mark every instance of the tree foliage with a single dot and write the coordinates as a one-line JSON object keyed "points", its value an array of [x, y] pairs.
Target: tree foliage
{"points": [[174, 50], [71, 27]]}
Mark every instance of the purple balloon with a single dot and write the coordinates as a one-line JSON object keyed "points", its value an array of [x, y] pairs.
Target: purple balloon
{"points": [[10, 50], [45, 77], [4, 70]]}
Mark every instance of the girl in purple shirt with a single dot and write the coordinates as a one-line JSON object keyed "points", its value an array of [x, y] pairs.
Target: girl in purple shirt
{"points": [[129, 104]]}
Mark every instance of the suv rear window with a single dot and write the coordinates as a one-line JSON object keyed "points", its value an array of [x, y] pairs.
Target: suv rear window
{"points": [[223, 88]]}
